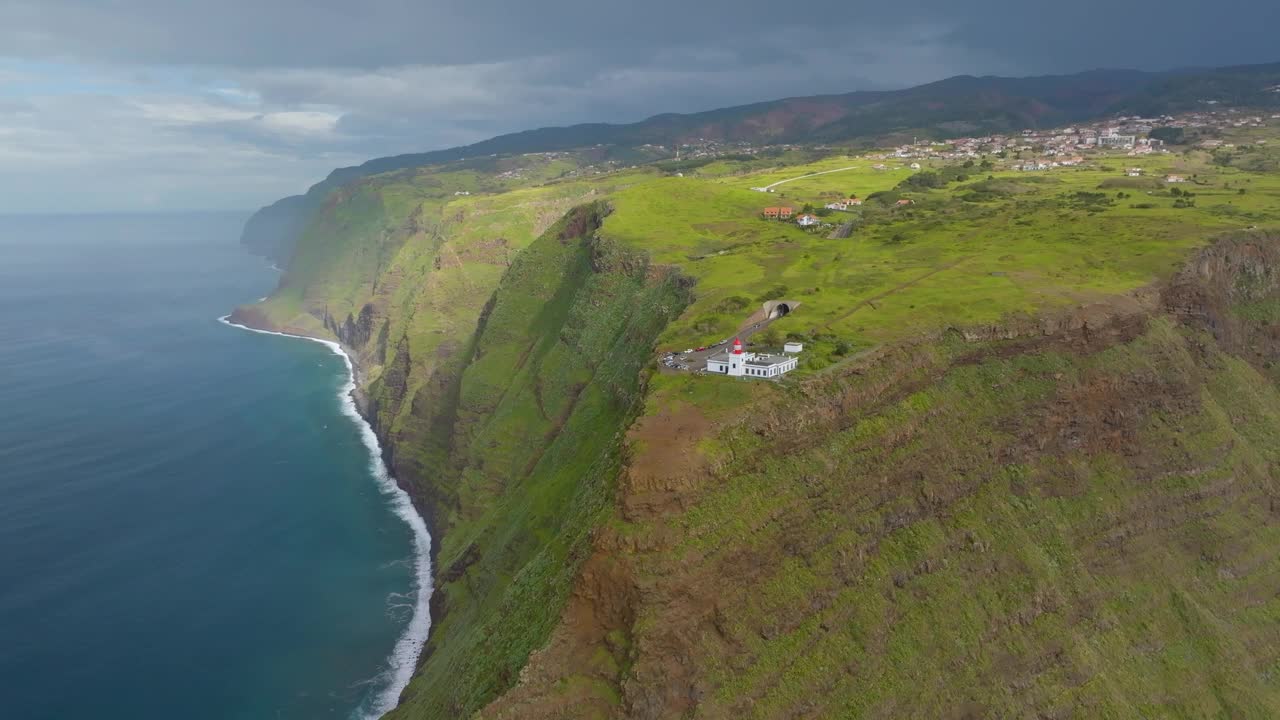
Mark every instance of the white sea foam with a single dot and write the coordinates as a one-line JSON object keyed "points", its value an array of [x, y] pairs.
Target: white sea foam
{"points": [[404, 658]]}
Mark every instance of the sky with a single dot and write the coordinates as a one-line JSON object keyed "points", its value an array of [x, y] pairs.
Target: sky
{"points": [[135, 105]]}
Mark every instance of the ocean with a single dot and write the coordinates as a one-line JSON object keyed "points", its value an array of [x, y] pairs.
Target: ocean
{"points": [[191, 523]]}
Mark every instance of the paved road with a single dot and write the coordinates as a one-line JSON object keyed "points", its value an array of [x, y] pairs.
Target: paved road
{"points": [[824, 172], [698, 360]]}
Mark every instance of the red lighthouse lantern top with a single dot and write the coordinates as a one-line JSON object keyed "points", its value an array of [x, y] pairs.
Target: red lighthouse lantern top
{"points": [[737, 346]]}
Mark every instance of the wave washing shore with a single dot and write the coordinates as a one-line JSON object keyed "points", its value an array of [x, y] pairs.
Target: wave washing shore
{"points": [[404, 658]]}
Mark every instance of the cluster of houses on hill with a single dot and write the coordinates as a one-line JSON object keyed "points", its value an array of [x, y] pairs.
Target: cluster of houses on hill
{"points": [[809, 220], [1038, 150], [786, 213], [844, 205], [806, 220], [1138, 172]]}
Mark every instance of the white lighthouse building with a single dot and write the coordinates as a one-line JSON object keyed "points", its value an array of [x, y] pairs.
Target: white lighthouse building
{"points": [[737, 363]]}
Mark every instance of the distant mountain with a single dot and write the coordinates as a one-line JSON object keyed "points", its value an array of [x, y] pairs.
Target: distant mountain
{"points": [[1240, 86], [956, 106]]}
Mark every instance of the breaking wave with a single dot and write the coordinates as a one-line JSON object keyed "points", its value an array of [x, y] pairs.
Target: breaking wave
{"points": [[404, 658]]}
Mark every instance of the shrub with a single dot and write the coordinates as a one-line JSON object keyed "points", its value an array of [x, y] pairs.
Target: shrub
{"points": [[774, 293], [733, 303]]}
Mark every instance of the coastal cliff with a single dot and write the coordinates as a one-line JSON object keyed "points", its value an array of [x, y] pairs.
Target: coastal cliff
{"points": [[505, 422], [1057, 497], [1073, 520]]}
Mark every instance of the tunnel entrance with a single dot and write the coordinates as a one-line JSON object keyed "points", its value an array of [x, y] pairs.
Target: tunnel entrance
{"points": [[774, 309]]}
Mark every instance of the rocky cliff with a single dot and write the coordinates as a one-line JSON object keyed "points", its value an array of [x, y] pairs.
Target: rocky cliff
{"points": [[1065, 513], [1075, 520]]}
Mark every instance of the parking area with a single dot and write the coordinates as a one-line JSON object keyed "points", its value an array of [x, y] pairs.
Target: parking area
{"points": [[695, 359]]}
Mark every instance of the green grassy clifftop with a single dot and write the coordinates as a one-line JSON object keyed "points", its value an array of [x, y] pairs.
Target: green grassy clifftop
{"points": [[1026, 467], [1073, 524]]}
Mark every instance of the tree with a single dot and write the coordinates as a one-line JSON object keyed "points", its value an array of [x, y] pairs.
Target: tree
{"points": [[808, 208], [1170, 135], [822, 212]]}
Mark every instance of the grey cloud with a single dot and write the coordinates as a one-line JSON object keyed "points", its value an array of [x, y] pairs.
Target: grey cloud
{"points": [[233, 102]]}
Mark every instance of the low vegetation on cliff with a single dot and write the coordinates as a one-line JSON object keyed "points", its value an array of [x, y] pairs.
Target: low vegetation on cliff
{"points": [[1026, 466]]}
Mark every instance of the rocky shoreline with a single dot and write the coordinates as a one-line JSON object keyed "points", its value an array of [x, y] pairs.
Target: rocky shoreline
{"points": [[251, 318]]}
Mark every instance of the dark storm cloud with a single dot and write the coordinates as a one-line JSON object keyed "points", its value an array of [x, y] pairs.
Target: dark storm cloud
{"points": [[377, 33], [255, 98]]}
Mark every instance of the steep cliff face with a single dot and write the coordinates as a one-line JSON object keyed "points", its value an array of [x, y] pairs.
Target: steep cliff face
{"points": [[1078, 521], [1066, 514], [546, 389]]}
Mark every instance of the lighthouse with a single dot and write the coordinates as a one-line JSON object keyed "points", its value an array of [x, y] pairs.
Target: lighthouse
{"points": [[737, 362], [737, 359]]}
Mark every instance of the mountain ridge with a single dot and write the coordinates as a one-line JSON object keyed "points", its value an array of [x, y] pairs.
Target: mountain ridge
{"points": [[992, 103]]}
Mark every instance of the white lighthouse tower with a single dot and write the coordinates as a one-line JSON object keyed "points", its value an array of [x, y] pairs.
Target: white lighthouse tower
{"points": [[737, 359]]}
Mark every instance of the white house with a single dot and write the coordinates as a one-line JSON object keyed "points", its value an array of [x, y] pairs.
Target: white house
{"points": [[1135, 172], [1175, 179], [737, 363], [792, 347], [807, 220]]}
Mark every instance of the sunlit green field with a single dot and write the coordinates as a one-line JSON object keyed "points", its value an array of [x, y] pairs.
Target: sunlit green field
{"points": [[951, 258]]}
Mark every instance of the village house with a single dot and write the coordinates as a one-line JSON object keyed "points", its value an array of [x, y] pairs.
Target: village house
{"points": [[807, 220], [904, 201], [737, 363], [1134, 172], [1117, 141], [1174, 178], [838, 205], [777, 213]]}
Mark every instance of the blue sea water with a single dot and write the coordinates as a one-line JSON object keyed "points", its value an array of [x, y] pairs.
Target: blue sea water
{"points": [[190, 526]]}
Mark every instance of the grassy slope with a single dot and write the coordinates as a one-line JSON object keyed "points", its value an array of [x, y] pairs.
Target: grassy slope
{"points": [[513, 433], [1038, 532], [553, 380], [941, 261], [917, 532]]}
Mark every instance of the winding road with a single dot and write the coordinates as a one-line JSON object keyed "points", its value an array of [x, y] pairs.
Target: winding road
{"points": [[767, 188]]}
